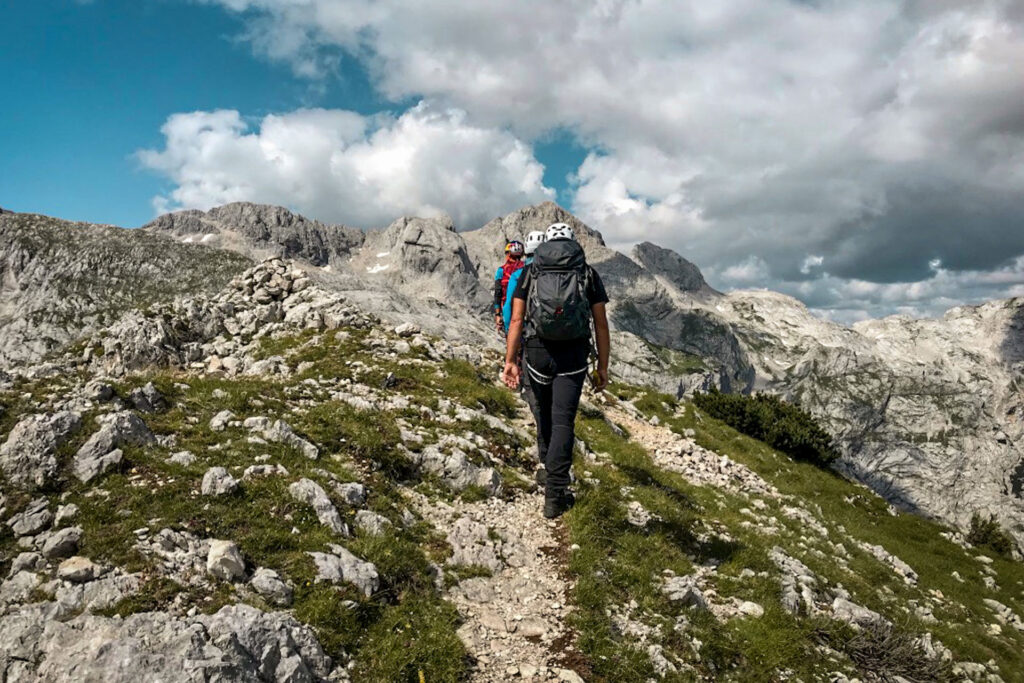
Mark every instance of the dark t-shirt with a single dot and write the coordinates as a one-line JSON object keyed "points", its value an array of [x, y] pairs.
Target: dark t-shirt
{"points": [[596, 294]]}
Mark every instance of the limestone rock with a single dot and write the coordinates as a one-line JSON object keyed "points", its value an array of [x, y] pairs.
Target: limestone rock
{"points": [[34, 518], [341, 565], [217, 482], [225, 560], [351, 493], [237, 643], [309, 492], [268, 584], [78, 569], [637, 515], [26, 562], [280, 431], [28, 457], [472, 545], [99, 391], [65, 513], [852, 613], [371, 524], [62, 543], [684, 589], [101, 451], [219, 422], [147, 399], [183, 458]]}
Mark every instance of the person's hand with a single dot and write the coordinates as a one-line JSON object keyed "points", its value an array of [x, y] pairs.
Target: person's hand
{"points": [[510, 375], [602, 379], [498, 323]]}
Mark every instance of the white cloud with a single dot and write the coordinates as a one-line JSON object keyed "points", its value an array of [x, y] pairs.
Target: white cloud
{"points": [[877, 136], [811, 262], [344, 167]]}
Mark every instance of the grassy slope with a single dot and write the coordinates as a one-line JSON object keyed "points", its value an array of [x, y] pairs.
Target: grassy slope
{"points": [[618, 562]]}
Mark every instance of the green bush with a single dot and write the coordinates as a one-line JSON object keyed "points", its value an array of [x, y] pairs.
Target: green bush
{"points": [[779, 424], [987, 533]]}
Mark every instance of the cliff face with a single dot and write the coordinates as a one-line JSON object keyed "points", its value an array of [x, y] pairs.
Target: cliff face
{"points": [[928, 413]]}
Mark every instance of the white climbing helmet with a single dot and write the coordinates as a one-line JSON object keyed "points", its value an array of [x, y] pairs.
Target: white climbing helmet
{"points": [[534, 240], [559, 231]]}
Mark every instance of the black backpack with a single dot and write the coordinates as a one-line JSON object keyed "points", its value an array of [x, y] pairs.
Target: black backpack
{"points": [[557, 306]]}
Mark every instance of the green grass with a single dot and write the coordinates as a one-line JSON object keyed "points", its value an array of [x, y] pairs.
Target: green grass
{"points": [[618, 563]]}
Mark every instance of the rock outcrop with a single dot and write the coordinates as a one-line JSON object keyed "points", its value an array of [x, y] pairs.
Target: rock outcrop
{"points": [[60, 280], [237, 643], [261, 231]]}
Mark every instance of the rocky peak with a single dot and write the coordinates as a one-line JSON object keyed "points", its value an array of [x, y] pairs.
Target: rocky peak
{"points": [[423, 257], [671, 266], [262, 230]]}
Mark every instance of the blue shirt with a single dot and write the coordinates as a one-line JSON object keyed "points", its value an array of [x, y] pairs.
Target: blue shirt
{"points": [[513, 281]]}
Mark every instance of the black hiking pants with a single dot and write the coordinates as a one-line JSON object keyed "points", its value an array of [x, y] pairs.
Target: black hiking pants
{"points": [[557, 371], [531, 400]]}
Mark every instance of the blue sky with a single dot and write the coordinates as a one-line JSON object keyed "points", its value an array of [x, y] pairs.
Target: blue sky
{"points": [[92, 83], [866, 158]]}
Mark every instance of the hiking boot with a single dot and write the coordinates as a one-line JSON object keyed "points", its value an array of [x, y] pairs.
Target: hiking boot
{"points": [[557, 503], [541, 476]]}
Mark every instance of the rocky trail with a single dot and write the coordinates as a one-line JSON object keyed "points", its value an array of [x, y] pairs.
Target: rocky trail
{"points": [[515, 616]]}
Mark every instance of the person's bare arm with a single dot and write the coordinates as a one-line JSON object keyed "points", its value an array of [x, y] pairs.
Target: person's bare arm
{"points": [[603, 340], [510, 375]]}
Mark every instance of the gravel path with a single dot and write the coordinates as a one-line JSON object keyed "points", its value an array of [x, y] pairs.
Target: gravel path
{"points": [[514, 619]]}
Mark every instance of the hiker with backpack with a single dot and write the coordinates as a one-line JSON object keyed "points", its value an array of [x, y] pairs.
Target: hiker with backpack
{"points": [[514, 251], [555, 301]]}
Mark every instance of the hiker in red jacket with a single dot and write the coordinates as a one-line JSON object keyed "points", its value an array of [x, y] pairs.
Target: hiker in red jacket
{"points": [[514, 251]]}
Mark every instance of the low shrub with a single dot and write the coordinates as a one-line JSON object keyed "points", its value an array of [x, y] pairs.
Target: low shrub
{"points": [[889, 652], [987, 533], [781, 425]]}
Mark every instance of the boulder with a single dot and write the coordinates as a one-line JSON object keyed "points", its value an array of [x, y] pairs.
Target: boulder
{"points": [[309, 492], [62, 543], [36, 517], [29, 456], [217, 482], [147, 399], [341, 565], [79, 569], [271, 587], [237, 643], [225, 561], [102, 450]]}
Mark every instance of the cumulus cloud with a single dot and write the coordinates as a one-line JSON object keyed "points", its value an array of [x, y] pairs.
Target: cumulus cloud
{"points": [[877, 136], [343, 167]]}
